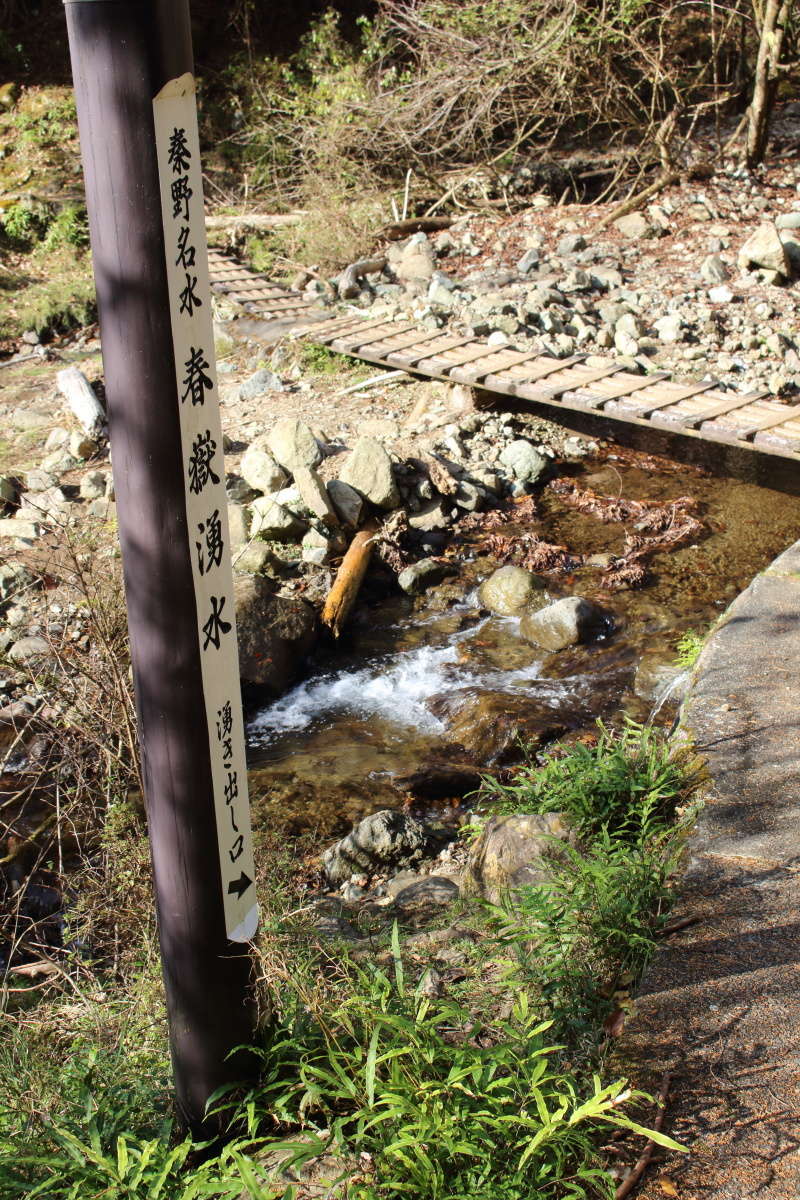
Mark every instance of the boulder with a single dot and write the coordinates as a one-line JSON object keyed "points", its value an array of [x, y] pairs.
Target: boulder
{"points": [[422, 575], [523, 461], [564, 623], [491, 726], [429, 892], [384, 839], [349, 505], [274, 522], [429, 517], [512, 853], [93, 485], [259, 383], [512, 590], [415, 260], [14, 578], [634, 225], [368, 469], [259, 469], [275, 633], [30, 650], [293, 444], [23, 533], [314, 495], [713, 269], [765, 250]]}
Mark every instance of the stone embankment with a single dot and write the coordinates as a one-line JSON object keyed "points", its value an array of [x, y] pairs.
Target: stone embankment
{"points": [[718, 1007]]}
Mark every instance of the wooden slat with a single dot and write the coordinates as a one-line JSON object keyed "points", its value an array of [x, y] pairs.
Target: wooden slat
{"points": [[407, 340], [721, 410], [625, 387], [355, 327], [769, 422], [580, 386], [512, 358], [683, 393], [350, 342], [439, 365], [410, 358]]}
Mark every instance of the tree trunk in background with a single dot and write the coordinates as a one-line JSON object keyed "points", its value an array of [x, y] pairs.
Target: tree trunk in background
{"points": [[773, 27]]}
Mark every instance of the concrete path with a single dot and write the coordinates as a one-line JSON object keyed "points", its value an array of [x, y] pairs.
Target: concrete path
{"points": [[720, 1005]]}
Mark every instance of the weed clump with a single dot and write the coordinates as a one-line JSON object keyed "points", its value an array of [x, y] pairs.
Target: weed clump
{"points": [[491, 1087]]}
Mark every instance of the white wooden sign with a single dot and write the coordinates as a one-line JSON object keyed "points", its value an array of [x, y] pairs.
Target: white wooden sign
{"points": [[180, 175]]}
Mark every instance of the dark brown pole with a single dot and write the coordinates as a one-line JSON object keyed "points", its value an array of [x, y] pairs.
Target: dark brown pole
{"points": [[123, 52]]}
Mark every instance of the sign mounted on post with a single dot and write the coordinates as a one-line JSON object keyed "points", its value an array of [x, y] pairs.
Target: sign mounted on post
{"points": [[181, 185]]}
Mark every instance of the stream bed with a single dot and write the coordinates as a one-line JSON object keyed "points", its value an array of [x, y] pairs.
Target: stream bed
{"points": [[423, 693]]}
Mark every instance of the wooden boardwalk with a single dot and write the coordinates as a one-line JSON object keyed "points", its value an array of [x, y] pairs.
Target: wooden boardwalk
{"points": [[582, 383]]}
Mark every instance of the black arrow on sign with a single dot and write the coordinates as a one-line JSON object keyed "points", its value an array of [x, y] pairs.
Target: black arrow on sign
{"points": [[239, 886]]}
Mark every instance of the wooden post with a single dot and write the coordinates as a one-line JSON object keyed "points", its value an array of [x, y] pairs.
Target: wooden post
{"points": [[134, 86]]}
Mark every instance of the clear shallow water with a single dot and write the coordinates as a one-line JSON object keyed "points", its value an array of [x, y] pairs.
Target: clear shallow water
{"points": [[409, 690]]}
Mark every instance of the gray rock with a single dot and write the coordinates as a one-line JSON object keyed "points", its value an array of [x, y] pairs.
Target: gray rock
{"points": [[430, 517], [8, 493], [629, 323], [713, 269], [293, 444], [511, 590], [790, 220], [238, 491], [791, 244], [669, 327], [273, 522], [58, 439], [335, 929], [432, 891], [422, 575], [564, 623], [634, 225], [523, 461], [721, 294], [415, 261], [530, 259], [349, 505], [764, 249], [252, 558], [30, 649], [23, 533], [572, 243], [275, 633], [314, 495], [38, 480], [317, 548], [385, 839], [14, 578], [512, 853], [368, 469], [260, 470], [259, 383], [93, 485], [59, 462]]}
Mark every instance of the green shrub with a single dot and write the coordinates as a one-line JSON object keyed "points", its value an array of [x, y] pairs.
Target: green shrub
{"points": [[627, 783], [688, 647]]}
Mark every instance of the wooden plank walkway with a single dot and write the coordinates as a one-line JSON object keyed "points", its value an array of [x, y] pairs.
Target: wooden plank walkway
{"points": [[581, 383]]}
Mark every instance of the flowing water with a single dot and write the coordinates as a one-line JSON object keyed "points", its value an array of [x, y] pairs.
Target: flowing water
{"points": [[434, 689]]}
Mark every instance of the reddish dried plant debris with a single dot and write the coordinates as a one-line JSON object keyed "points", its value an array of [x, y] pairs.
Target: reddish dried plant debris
{"points": [[529, 551]]}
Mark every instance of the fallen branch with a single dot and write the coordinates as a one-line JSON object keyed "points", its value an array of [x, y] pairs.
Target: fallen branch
{"points": [[664, 180], [348, 285], [400, 229], [342, 596], [627, 1186], [374, 381]]}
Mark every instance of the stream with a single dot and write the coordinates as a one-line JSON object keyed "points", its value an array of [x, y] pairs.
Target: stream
{"points": [[423, 693]]}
